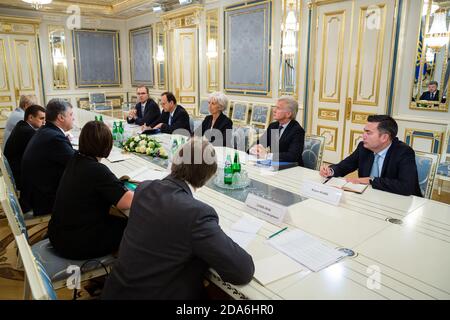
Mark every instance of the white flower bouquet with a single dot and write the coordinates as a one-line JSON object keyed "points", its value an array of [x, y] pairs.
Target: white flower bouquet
{"points": [[146, 145]]}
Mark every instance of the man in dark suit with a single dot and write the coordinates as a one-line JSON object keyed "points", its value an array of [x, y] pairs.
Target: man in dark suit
{"points": [[172, 238], [46, 156], [433, 93], [146, 110], [174, 117], [22, 133], [285, 137], [381, 159]]}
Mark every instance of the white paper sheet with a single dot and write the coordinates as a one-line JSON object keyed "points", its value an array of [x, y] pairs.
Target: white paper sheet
{"points": [[241, 238], [248, 224], [305, 249], [147, 173], [276, 267], [117, 155]]}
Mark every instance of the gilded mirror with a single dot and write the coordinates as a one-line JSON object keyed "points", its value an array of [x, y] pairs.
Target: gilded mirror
{"points": [[431, 72], [160, 56], [57, 41], [212, 36]]}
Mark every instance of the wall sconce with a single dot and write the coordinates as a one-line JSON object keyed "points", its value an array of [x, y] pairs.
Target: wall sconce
{"points": [[160, 54], [212, 49], [437, 36]]}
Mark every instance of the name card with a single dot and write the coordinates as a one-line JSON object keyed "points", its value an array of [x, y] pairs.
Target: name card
{"points": [[322, 192], [265, 209]]}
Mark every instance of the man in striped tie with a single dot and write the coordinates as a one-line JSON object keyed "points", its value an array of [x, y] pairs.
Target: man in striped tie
{"points": [[381, 160]]}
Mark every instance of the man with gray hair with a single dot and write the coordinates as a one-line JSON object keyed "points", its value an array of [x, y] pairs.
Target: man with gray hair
{"points": [[17, 115], [284, 137], [45, 158]]}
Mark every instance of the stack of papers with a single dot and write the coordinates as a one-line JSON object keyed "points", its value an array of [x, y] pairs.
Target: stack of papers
{"points": [[305, 249], [276, 267], [117, 155], [147, 173], [244, 230]]}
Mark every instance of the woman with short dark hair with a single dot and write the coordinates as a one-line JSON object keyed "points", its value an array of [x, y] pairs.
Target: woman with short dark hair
{"points": [[81, 226], [172, 238]]}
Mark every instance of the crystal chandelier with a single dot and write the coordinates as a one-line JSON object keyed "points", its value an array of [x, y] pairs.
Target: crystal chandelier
{"points": [[37, 4], [437, 36], [160, 54], [290, 29]]}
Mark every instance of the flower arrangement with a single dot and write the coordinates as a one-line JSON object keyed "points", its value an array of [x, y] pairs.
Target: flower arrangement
{"points": [[146, 145]]}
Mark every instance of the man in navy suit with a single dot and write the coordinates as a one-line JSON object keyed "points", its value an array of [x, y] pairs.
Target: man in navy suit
{"points": [[174, 117], [433, 93], [20, 136], [381, 160], [46, 156], [285, 137], [146, 110]]}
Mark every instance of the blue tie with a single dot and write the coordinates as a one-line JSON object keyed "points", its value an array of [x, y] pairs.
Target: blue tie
{"points": [[170, 120], [375, 172], [143, 109]]}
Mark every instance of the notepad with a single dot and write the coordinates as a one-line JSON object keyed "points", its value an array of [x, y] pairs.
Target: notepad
{"points": [[248, 224], [276, 267], [347, 186], [117, 155], [145, 173], [305, 249], [243, 239]]}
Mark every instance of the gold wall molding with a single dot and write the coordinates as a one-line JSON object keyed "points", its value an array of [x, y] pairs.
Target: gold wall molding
{"points": [[187, 99], [355, 138], [183, 17], [360, 117], [331, 136], [19, 25], [329, 114], [5, 99]]}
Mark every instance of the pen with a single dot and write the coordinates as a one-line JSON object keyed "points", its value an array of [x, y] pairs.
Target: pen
{"points": [[326, 180], [277, 233]]}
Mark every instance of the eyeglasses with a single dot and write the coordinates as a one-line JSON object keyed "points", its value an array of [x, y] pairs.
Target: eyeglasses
{"points": [[141, 93]]}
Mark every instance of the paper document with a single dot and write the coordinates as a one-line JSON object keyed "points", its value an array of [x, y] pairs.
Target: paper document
{"points": [[248, 224], [347, 186], [117, 155], [276, 267], [305, 249], [147, 173], [241, 238]]}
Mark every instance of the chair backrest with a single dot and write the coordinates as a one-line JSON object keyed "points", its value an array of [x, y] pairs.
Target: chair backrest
{"points": [[313, 151], [203, 108], [37, 278], [97, 98], [12, 210], [426, 168], [6, 171]]}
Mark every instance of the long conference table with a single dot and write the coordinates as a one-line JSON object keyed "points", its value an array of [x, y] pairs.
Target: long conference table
{"points": [[401, 244]]}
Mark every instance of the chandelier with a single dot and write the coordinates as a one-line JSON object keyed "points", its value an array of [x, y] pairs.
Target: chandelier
{"points": [[290, 29], [37, 4], [437, 36]]}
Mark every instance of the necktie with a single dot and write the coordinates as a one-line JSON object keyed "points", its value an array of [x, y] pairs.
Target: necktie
{"points": [[375, 172], [170, 120], [143, 109], [279, 129]]}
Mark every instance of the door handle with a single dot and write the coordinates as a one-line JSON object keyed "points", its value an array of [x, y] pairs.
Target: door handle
{"points": [[348, 108]]}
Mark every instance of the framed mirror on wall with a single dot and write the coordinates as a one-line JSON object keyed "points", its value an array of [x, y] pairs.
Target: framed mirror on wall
{"points": [[212, 41], [57, 42], [160, 56], [289, 47], [430, 87]]}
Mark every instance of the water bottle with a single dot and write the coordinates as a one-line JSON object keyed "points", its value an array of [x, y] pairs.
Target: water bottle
{"points": [[101, 118], [120, 135], [236, 163], [228, 171], [114, 132]]}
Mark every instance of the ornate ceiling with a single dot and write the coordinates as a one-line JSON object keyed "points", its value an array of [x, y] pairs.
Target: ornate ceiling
{"points": [[101, 8]]}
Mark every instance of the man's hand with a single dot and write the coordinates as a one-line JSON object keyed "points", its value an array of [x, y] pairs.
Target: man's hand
{"points": [[144, 127], [132, 114], [358, 180], [258, 150], [158, 126], [325, 171]]}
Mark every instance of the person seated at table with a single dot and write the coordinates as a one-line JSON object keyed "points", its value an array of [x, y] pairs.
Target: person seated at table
{"points": [[146, 110], [214, 127], [174, 117], [433, 93], [172, 239], [22, 133], [381, 160], [285, 137], [46, 156], [81, 226], [17, 115]]}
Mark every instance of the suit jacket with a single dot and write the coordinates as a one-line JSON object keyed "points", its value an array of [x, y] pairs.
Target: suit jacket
{"points": [[180, 120], [290, 145], [222, 124], [168, 246], [43, 164], [427, 96], [399, 172], [15, 147], [152, 113]]}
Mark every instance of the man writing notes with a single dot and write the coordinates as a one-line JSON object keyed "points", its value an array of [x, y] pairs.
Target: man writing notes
{"points": [[381, 159], [173, 117], [146, 110], [285, 137]]}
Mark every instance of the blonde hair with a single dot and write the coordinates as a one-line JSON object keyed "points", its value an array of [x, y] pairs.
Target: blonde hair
{"points": [[220, 98]]}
